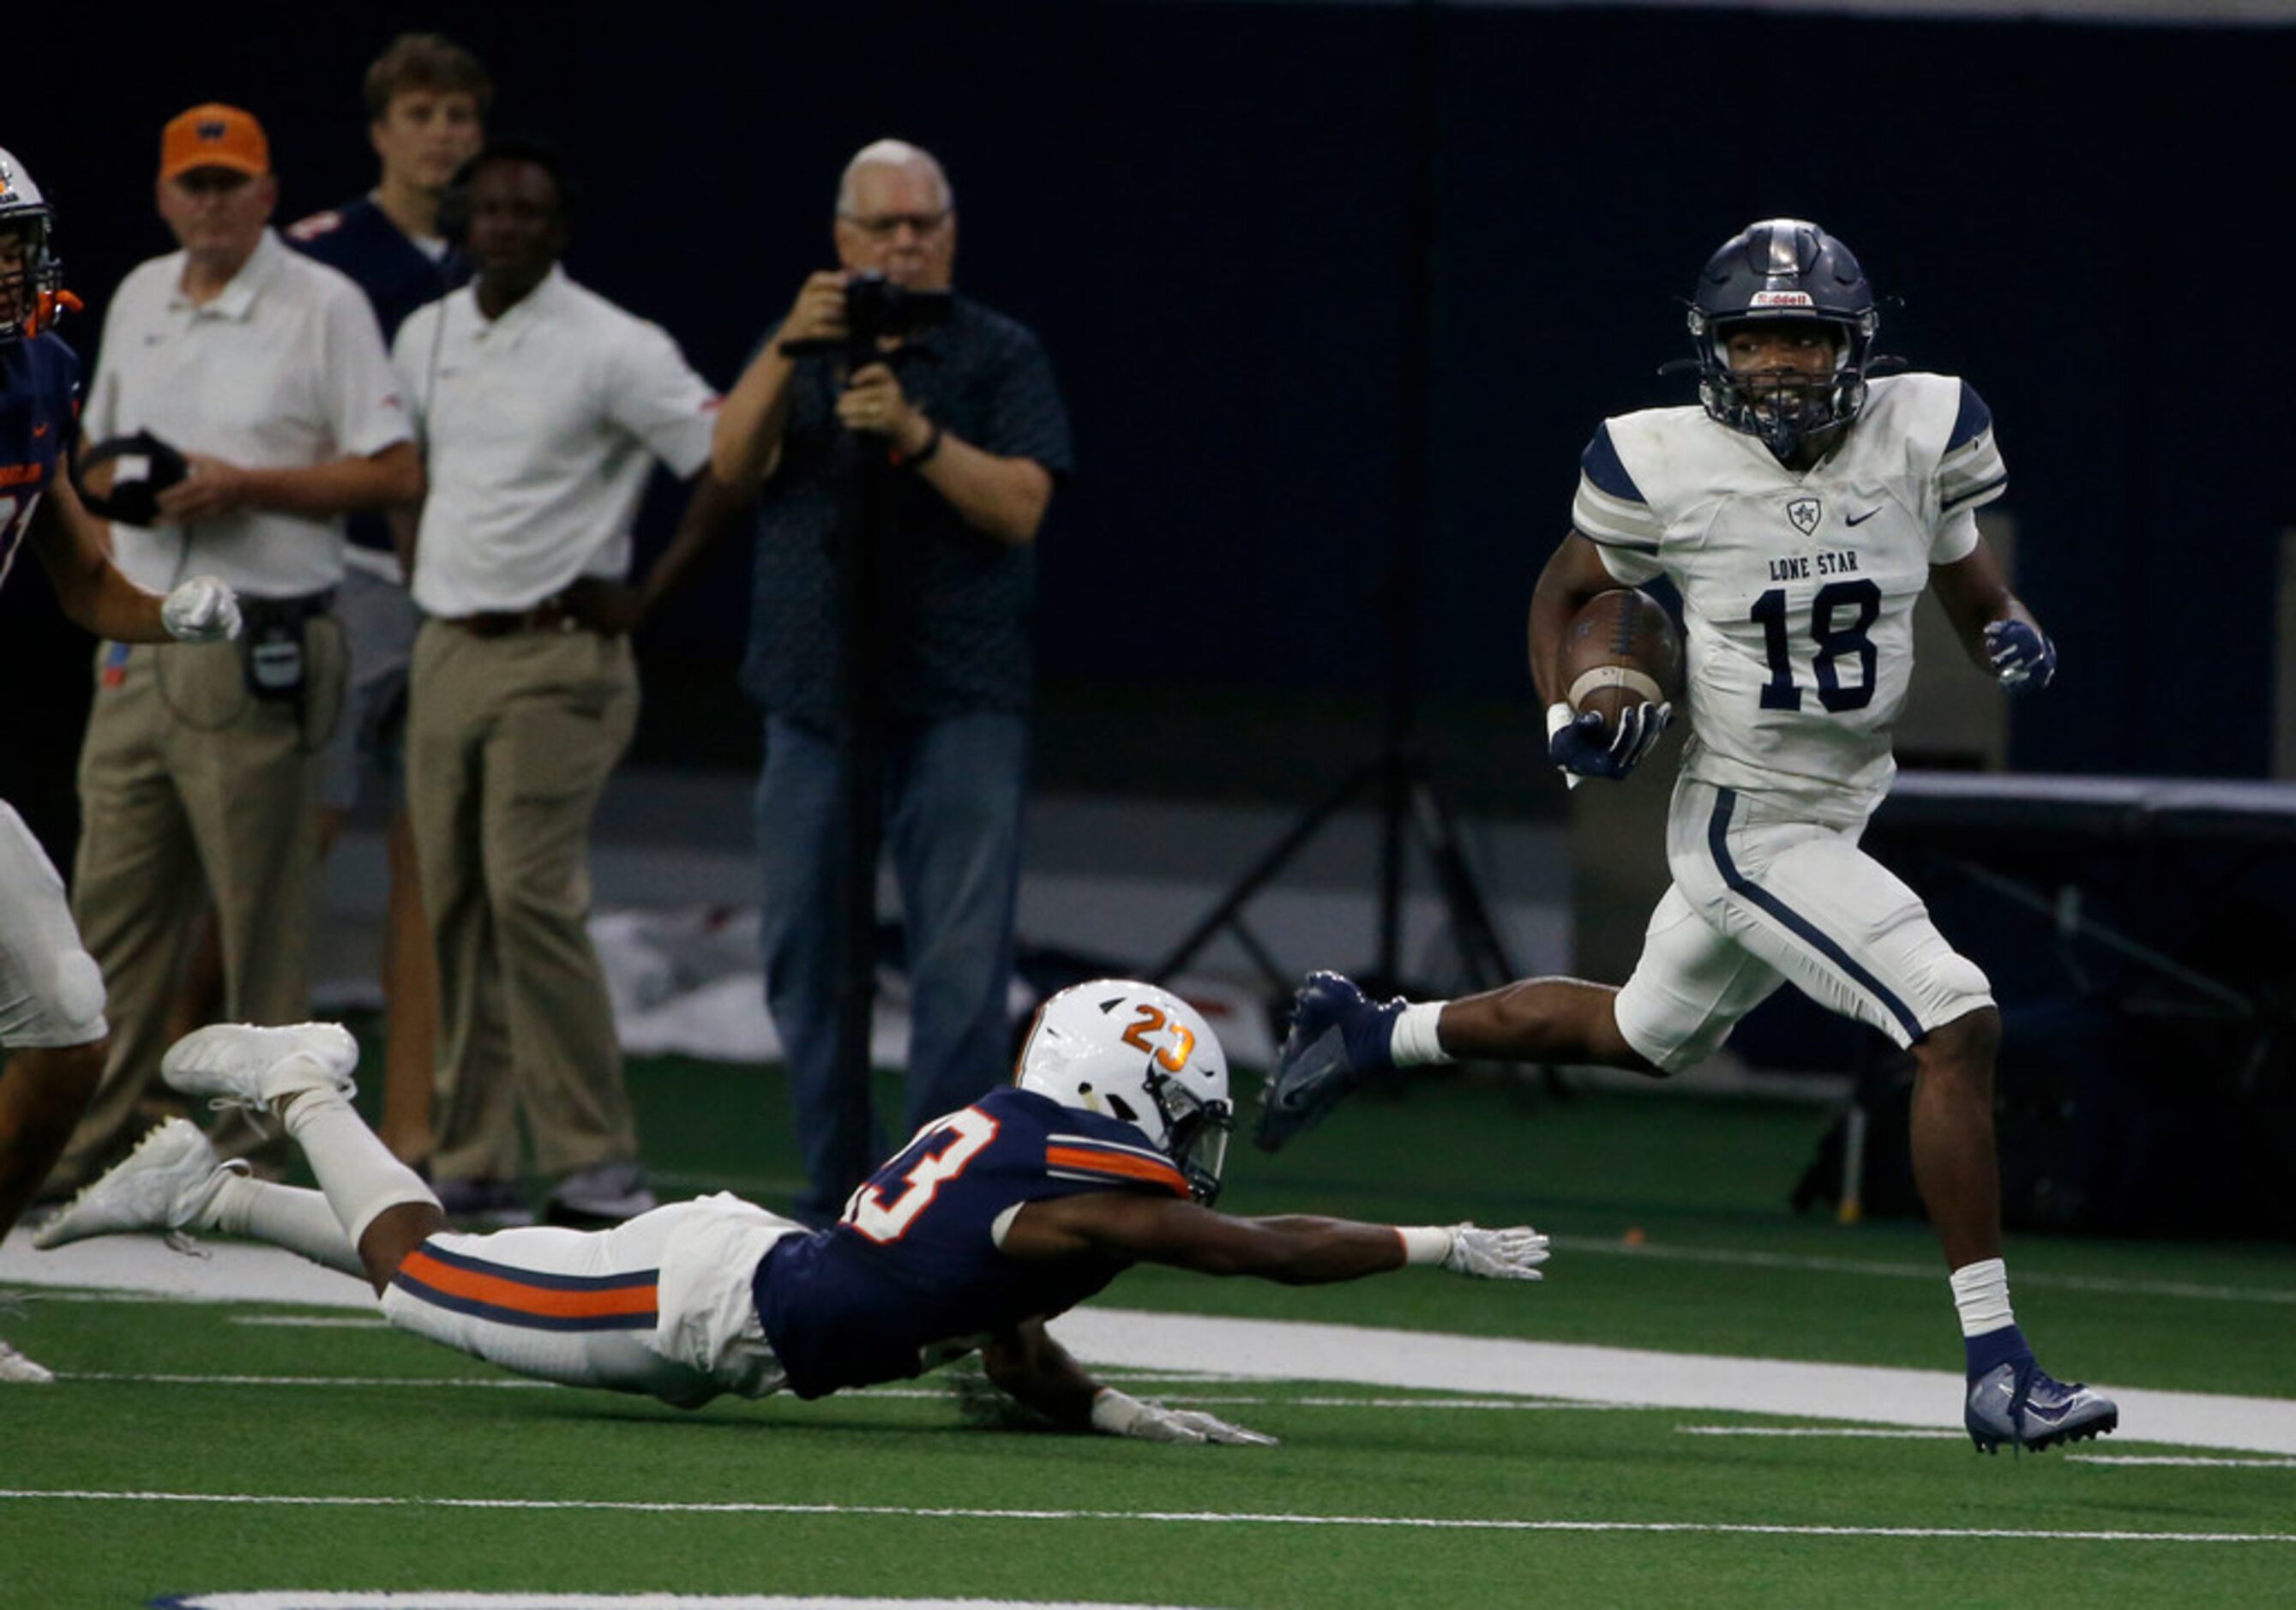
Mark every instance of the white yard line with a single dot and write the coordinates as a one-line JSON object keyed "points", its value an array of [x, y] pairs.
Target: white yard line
{"points": [[1291, 1351], [1817, 1431], [2137, 1459], [436, 1601], [1131, 1516], [2119, 1285]]}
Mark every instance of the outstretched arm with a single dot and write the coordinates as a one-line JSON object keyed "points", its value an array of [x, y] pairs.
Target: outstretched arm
{"points": [[1291, 1249]]}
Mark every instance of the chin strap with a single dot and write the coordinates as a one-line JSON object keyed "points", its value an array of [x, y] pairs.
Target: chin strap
{"points": [[47, 309]]}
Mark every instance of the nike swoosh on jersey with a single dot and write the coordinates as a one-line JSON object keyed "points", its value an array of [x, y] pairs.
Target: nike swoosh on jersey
{"points": [[1855, 519]]}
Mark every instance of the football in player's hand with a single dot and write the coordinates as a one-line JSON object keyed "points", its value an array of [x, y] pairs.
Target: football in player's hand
{"points": [[1621, 649]]}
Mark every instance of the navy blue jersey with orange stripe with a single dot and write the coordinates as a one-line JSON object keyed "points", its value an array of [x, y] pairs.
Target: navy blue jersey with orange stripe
{"points": [[39, 402], [913, 1270]]}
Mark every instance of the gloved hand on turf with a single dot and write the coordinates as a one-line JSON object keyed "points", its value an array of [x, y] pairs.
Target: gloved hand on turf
{"points": [[1581, 746], [1508, 1255], [1116, 1415], [2023, 660], [201, 610]]}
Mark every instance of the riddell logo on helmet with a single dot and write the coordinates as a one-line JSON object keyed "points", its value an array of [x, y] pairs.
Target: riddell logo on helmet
{"points": [[1783, 299]]}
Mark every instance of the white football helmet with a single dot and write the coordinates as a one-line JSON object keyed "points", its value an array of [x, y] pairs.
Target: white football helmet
{"points": [[1134, 1052], [31, 290]]}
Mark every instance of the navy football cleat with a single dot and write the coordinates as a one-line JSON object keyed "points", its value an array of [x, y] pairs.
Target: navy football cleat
{"points": [[2022, 1404], [1338, 1036]]}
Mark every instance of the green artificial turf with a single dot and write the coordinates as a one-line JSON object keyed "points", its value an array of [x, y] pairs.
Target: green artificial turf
{"points": [[1330, 1518]]}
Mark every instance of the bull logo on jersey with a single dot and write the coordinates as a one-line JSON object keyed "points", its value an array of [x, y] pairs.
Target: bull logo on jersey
{"points": [[1805, 512]]}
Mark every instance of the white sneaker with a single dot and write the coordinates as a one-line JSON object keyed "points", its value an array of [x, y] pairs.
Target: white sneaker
{"points": [[241, 1065], [18, 1370], [166, 1183]]}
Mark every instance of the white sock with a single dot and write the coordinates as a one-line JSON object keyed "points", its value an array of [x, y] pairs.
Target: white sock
{"points": [[1981, 1290], [283, 1215], [1413, 1042], [361, 1178]]}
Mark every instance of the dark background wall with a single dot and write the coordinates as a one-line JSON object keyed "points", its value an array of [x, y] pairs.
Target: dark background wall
{"points": [[1208, 212]]}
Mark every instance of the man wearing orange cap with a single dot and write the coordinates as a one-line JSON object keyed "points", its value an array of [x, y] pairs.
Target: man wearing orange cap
{"points": [[267, 373]]}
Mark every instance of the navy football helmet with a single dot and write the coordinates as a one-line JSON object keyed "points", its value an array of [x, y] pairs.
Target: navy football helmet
{"points": [[1784, 270], [29, 295]]}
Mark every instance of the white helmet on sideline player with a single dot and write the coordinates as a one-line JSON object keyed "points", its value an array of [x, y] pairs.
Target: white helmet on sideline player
{"points": [[34, 284], [1134, 1052]]}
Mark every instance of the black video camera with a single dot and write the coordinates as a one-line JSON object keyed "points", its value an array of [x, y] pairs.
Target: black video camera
{"points": [[874, 308]]}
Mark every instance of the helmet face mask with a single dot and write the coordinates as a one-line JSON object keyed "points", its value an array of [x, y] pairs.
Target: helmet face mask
{"points": [[1783, 272], [30, 275], [1141, 1055]]}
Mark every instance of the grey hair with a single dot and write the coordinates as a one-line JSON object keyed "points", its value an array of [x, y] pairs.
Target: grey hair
{"points": [[892, 153]]}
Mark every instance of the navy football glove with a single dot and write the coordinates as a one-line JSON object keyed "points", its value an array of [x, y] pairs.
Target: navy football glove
{"points": [[1581, 747], [2023, 660]]}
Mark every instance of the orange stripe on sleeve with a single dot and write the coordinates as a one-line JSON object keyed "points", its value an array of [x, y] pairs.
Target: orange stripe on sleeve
{"points": [[1122, 1164]]}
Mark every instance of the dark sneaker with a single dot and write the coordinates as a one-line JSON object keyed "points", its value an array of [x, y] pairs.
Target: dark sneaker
{"points": [[2022, 1404], [483, 1204], [1338, 1036], [601, 1194]]}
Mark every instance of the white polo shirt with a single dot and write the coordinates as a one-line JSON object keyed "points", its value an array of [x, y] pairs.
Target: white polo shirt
{"points": [[540, 429], [285, 368]]}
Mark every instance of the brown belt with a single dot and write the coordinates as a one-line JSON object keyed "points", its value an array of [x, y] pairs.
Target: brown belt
{"points": [[551, 615]]}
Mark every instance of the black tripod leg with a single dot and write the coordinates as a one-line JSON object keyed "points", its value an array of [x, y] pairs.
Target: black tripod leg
{"points": [[1261, 870], [1480, 946]]}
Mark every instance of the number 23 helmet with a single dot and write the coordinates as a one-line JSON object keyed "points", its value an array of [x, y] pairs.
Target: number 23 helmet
{"points": [[1784, 271], [1131, 1051]]}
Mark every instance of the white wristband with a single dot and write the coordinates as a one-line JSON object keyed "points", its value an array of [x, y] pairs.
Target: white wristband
{"points": [[1424, 1242], [1558, 715], [1112, 1412], [1413, 1042]]}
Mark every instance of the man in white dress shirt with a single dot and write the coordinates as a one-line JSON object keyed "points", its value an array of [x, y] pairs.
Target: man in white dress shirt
{"points": [[543, 409], [201, 766]]}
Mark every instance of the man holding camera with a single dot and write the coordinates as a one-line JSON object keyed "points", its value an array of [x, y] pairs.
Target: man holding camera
{"points": [[255, 380], [962, 419]]}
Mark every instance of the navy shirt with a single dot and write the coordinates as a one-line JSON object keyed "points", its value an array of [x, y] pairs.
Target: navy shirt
{"points": [[39, 403], [912, 1276], [397, 275], [950, 604]]}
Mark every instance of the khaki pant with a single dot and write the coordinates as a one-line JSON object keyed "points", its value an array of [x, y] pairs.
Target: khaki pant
{"points": [[191, 787], [509, 742]]}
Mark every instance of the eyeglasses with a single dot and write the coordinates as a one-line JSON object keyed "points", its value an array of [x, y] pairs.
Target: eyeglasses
{"points": [[884, 225]]}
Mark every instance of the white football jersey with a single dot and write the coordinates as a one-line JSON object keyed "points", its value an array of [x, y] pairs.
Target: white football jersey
{"points": [[1797, 589]]}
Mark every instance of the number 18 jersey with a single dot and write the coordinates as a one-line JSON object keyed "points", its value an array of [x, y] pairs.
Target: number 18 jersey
{"points": [[913, 1275], [1798, 587]]}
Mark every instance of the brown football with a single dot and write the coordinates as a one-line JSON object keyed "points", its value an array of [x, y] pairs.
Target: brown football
{"points": [[1621, 649]]}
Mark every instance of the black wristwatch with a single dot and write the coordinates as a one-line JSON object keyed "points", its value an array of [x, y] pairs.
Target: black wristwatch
{"points": [[923, 453]]}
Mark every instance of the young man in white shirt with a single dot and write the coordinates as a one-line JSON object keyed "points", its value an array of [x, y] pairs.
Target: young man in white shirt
{"points": [[543, 409]]}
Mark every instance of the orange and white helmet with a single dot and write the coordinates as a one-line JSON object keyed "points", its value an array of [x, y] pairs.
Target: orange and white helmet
{"points": [[1134, 1052]]}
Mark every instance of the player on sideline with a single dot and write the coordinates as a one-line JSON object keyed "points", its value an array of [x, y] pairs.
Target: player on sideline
{"points": [[1800, 509], [1105, 1151], [51, 993]]}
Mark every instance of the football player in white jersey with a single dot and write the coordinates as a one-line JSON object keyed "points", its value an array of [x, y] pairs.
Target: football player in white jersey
{"points": [[1800, 509], [53, 1033]]}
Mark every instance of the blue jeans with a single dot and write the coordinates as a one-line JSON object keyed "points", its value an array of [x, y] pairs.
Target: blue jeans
{"points": [[953, 789]]}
